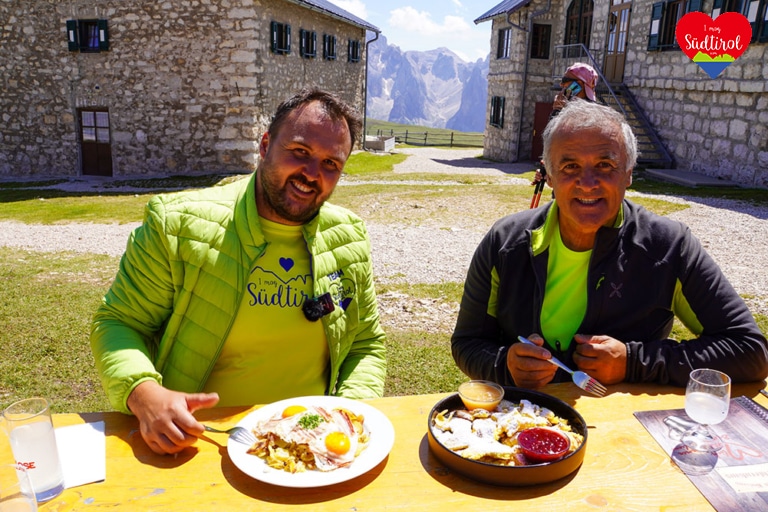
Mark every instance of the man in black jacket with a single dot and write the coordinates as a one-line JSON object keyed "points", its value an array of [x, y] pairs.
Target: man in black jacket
{"points": [[597, 280]]}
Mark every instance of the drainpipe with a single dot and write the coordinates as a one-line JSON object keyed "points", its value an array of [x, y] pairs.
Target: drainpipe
{"points": [[535, 14], [365, 88]]}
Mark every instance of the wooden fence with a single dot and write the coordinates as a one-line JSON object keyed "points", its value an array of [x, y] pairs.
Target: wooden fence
{"points": [[419, 138]]}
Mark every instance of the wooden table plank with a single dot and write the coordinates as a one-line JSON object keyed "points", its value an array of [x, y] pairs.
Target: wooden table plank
{"points": [[623, 469]]}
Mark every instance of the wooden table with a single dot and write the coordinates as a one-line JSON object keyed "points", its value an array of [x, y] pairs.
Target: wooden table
{"points": [[624, 468]]}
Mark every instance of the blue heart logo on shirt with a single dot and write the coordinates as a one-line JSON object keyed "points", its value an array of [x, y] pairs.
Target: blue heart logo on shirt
{"points": [[286, 263]]}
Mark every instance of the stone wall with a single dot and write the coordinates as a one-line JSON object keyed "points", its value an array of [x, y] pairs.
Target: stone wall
{"points": [[190, 85], [717, 127], [505, 78]]}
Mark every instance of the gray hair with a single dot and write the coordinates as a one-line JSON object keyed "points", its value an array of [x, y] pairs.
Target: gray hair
{"points": [[584, 114]]}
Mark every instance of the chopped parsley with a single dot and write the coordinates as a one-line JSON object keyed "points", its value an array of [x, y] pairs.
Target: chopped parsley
{"points": [[310, 421]]}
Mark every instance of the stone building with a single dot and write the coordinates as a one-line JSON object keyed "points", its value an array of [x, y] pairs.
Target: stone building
{"points": [[714, 126], [143, 88]]}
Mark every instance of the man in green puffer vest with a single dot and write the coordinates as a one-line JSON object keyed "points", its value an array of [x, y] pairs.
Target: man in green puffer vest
{"points": [[246, 293]]}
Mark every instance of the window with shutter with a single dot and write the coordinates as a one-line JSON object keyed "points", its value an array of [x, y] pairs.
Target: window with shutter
{"points": [[329, 47], [504, 44], [308, 44], [353, 50], [756, 12], [87, 36], [664, 18], [673, 12], [497, 111], [281, 38]]}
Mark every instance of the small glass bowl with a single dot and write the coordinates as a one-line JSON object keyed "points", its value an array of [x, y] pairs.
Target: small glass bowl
{"points": [[540, 444], [481, 394]]}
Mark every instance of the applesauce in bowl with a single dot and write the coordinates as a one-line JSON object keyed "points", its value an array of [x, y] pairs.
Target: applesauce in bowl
{"points": [[481, 394]]}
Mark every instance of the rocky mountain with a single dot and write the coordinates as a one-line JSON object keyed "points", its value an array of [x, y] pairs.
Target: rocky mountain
{"points": [[435, 88]]}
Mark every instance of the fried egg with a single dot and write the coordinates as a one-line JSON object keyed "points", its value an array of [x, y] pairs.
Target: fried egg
{"points": [[330, 435]]}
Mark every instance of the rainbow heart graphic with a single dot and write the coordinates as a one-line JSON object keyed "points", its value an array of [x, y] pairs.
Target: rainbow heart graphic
{"points": [[713, 44]]}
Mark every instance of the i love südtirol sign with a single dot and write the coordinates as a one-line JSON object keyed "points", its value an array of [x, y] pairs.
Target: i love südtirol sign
{"points": [[713, 44]]}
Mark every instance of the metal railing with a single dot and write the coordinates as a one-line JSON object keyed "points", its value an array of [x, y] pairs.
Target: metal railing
{"points": [[426, 138]]}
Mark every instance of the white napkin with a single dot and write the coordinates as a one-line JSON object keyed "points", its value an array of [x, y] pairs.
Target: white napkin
{"points": [[83, 453]]}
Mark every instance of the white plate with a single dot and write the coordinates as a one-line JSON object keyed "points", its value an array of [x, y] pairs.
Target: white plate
{"points": [[381, 432]]}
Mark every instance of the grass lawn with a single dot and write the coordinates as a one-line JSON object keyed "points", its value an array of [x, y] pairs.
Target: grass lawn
{"points": [[49, 298]]}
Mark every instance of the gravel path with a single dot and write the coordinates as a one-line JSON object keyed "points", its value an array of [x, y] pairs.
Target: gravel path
{"points": [[733, 232]]}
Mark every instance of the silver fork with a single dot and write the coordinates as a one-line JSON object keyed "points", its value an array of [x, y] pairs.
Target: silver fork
{"points": [[238, 434], [580, 378]]}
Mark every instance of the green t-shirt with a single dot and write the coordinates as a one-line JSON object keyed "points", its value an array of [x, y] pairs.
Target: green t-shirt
{"points": [[272, 351], [565, 296]]}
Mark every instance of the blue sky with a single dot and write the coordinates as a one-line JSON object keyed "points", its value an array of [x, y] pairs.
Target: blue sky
{"points": [[428, 24]]}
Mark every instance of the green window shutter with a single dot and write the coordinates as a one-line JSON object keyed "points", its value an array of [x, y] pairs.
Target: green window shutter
{"points": [[273, 30], [302, 43], [287, 39], [103, 36], [72, 39], [493, 110], [764, 33], [657, 12], [693, 6], [314, 43], [751, 11]]}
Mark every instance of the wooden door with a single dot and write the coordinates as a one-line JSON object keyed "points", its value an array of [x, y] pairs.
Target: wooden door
{"points": [[618, 31], [95, 146]]}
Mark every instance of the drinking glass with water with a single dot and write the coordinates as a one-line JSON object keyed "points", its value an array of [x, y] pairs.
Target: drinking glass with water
{"points": [[33, 442]]}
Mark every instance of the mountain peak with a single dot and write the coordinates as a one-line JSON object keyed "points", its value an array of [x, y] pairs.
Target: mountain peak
{"points": [[432, 88]]}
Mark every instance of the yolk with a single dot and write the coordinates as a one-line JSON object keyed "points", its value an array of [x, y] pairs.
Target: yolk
{"points": [[337, 442], [293, 409]]}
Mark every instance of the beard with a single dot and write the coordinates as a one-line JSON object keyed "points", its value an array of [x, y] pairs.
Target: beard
{"points": [[277, 196]]}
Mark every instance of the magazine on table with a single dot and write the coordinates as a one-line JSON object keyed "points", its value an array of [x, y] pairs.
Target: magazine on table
{"points": [[736, 476]]}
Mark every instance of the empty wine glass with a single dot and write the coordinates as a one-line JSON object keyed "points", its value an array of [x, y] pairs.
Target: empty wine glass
{"points": [[706, 402]]}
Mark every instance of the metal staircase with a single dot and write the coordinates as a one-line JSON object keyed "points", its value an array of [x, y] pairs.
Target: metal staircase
{"points": [[650, 149]]}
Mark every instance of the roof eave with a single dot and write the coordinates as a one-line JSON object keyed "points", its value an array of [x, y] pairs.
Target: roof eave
{"points": [[363, 24], [503, 9]]}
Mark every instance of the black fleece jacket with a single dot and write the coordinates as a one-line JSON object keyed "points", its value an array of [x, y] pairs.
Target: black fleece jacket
{"points": [[633, 274]]}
